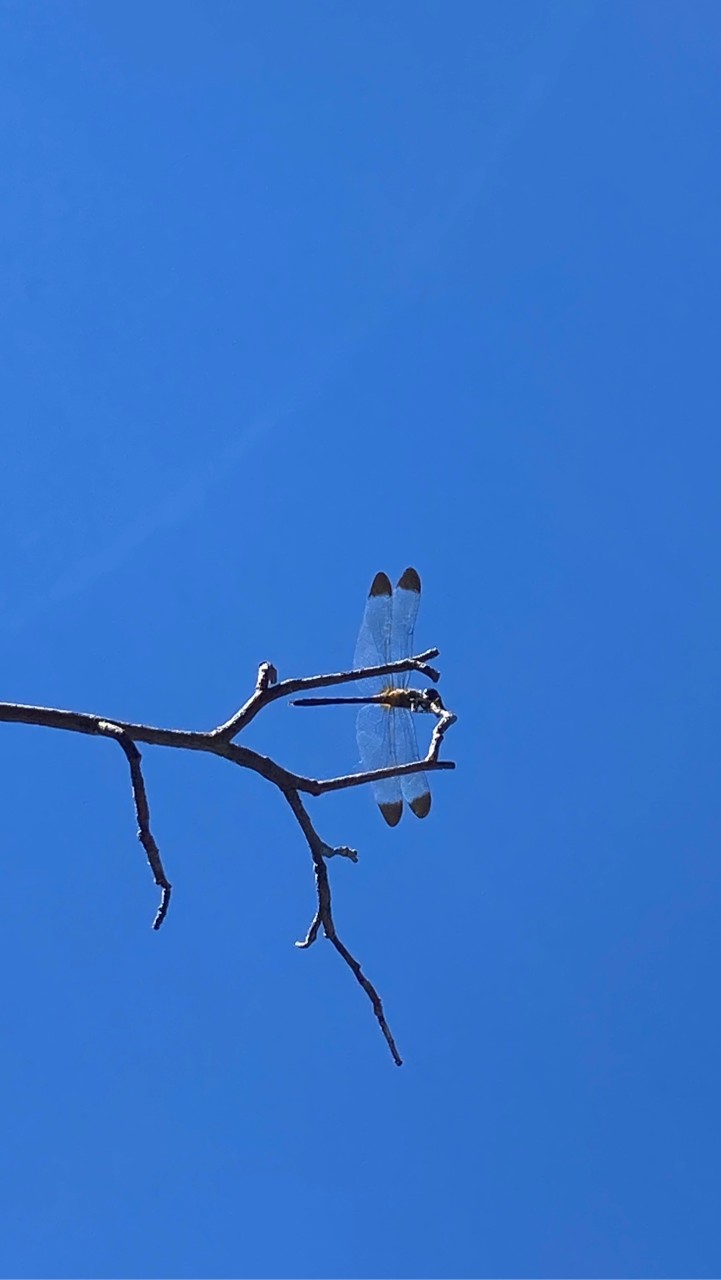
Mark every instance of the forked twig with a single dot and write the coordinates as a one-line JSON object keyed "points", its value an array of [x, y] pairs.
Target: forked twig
{"points": [[268, 689], [324, 915]]}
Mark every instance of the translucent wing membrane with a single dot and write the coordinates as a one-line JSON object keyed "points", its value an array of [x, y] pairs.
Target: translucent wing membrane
{"points": [[373, 647], [387, 737], [414, 787], [376, 743], [406, 599]]}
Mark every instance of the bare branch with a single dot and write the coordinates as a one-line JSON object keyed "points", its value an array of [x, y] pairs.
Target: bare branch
{"points": [[211, 742], [443, 723], [371, 992], [267, 691], [142, 811], [219, 742], [180, 739], [320, 787], [324, 917]]}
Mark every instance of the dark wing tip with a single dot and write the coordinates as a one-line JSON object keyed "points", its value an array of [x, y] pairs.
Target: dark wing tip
{"points": [[381, 585], [421, 805], [410, 581], [392, 812]]}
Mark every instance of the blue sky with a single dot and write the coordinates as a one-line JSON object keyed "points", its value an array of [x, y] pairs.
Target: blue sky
{"points": [[292, 293]]}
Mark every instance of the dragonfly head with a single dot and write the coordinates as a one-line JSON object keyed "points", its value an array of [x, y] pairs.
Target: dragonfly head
{"points": [[428, 700]]}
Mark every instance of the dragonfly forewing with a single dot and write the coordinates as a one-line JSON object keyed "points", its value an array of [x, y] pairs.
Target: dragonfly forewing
{"points": [[373, 647], [406, 600]]}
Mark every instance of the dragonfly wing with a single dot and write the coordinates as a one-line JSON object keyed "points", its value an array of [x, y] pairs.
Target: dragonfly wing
{"points": [[376, 742], [373, 646], [414, 786], [406, 599]]}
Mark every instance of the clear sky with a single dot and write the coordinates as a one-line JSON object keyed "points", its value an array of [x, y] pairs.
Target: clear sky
{"points": [[291, 293]]}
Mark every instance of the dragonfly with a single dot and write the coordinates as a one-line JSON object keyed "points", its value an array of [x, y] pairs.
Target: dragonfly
{"points": [[385, 728]]}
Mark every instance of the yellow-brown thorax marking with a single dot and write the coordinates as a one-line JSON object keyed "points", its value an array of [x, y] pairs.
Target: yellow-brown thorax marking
{"points": [[397, 698]]}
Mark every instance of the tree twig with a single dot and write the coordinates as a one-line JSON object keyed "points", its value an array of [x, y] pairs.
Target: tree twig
{"points": [[209, 741], [268, 689], [319, 788], [142, 811], [324, 916], [443, 723]]}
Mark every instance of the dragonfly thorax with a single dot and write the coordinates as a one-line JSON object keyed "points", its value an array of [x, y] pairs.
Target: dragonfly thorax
{"points": [[411, 699]]}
